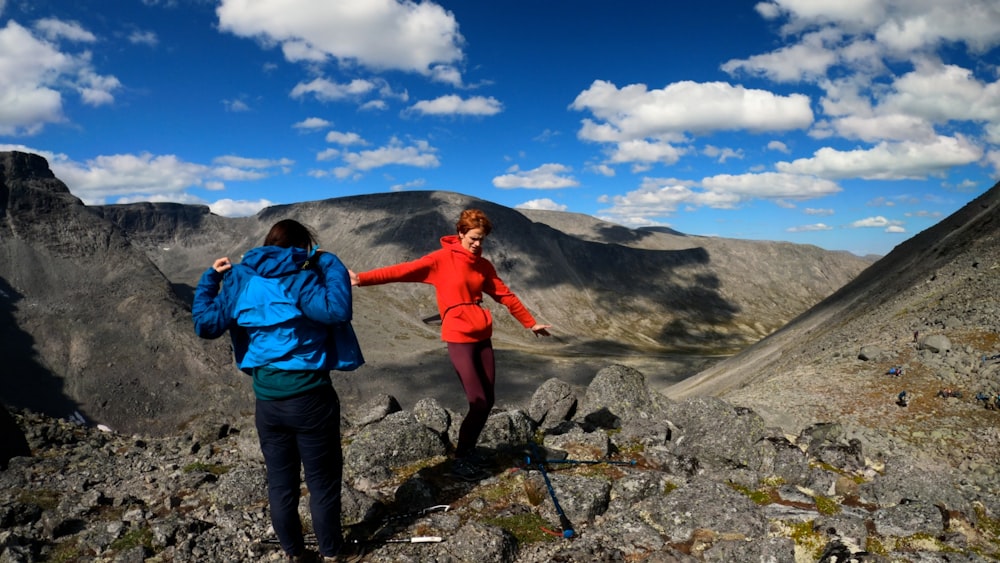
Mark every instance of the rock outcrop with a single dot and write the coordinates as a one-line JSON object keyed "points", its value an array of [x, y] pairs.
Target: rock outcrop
{"points": [[692, 480], [91, 327], [12, 441], [923, 320]]}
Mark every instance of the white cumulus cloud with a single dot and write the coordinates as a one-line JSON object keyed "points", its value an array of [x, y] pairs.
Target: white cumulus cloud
{"points": [[149, 177], [815, 227], [37, 74], [345, 139], [543, 204], [128, 174], [54, 30], [377, 34], [455, 105], [635, 112], [419, 154], [311, 123], [661, 197], [887, 160], [238, 208], [545, 177], [326, 90]]}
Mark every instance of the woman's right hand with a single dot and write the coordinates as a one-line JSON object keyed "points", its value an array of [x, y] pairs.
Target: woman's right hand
{"points": [[541, 330], [355, 280]]}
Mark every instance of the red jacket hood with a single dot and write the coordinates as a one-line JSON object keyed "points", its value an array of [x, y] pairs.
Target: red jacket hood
{"points": [[451, 242]]}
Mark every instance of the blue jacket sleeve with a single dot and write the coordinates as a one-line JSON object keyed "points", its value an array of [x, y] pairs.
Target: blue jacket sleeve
{"points": [[328, 301], [209, 311]]}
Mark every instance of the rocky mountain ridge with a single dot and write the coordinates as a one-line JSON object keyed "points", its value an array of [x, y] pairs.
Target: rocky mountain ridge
{"points": [[97, 297], [929, 309], [89, 324]]}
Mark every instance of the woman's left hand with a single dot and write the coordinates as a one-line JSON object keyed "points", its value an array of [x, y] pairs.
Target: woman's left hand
{"points": [[541, 330], [222, 265]]}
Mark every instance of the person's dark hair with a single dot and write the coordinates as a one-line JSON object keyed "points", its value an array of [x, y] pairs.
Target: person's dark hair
{"points": [[473, 219], [290, 233]]}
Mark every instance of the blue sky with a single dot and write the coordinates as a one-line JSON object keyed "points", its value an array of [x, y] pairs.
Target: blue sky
{"points": [[848, 124]]}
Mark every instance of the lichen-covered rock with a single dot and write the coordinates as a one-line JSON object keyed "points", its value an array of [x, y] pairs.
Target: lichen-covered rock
{"points": [[717, 433], [709, 484], [552, 403], [622, 391], [394, 441], [937, 343]]}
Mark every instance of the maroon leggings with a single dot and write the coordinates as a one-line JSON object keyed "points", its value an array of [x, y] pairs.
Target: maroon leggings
{"points": [[475, 367]]}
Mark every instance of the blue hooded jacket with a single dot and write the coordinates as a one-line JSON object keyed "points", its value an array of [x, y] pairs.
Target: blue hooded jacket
{"points": [[280, 306]]}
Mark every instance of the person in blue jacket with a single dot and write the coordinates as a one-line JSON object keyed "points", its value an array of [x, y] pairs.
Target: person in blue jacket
{"points": [[286, 307]]}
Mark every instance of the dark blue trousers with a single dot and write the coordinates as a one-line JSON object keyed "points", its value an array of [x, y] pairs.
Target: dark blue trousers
{"points": [[303, 432]]}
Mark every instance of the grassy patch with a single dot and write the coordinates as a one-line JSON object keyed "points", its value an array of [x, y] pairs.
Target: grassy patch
{"points": [[808, 540], [826, 506], [631, 450], [773, 481], [594, 471], [506, 490], [404, 472], [66, 551], [875, 545], [133, 538], [989, 528], [916, 542], [987, 525], [527, 528], [213, 468], [983, 341], [43, 498], [758, 496]]}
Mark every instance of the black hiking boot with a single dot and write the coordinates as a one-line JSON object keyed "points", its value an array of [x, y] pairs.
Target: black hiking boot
{"points": [[465, 470]]}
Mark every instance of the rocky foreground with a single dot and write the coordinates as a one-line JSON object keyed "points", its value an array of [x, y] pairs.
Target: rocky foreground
{"points": [[660, 480]]}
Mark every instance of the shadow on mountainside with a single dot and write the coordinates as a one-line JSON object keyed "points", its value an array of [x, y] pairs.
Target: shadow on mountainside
{"points": [[616, 278], [24, 382], [429, 375], [616, 234], [184, 292], [410, 377]]}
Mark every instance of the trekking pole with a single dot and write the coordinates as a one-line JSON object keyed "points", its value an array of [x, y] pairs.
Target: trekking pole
{"points": [[591, 461], [563, 520], [376, 528], [311, 540], [421, 512]]}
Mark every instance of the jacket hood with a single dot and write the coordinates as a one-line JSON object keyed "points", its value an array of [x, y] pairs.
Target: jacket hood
{"points": [[275, 261], [451, 242]]}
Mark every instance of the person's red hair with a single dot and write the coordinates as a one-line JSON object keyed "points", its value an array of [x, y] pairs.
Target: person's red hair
{"points": [[473, 219]]}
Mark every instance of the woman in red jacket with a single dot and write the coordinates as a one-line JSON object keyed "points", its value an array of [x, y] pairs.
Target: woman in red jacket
{"points": [[460, 276]]}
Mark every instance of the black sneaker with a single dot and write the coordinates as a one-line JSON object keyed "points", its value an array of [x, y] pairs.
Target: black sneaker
{"points": [[479, 459], [466, 471], [349, 552]]}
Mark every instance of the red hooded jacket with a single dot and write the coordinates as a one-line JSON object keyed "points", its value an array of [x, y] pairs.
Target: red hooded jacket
{"points": [[459, 278]]}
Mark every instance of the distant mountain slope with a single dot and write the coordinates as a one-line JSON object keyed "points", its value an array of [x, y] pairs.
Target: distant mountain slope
{"points": [[98, 296], [942, 282], [637, 295], [769, 280], [642, 292]]}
